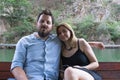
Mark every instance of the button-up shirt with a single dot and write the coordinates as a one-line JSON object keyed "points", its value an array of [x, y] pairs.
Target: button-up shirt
{"points": [[39, 58]]}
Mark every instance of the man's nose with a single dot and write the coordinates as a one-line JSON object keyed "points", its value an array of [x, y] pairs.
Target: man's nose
{"points": [[44, 23]]}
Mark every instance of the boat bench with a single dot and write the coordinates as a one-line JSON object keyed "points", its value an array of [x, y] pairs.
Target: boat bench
{"points": [[5, 73], [108, 70]]}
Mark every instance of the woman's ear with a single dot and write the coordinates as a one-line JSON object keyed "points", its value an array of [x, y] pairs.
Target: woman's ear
{"points": [[53, 27]]}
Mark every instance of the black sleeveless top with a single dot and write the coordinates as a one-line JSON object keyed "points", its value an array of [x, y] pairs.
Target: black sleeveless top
{"points": [[78, 58]]}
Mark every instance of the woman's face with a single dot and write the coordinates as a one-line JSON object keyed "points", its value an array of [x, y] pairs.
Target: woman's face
{"points": [[63, 33]]}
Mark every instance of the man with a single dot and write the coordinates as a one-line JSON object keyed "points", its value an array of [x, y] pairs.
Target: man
{"points": [[37, 56]]}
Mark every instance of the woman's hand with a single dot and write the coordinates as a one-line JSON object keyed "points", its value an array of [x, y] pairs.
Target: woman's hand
{"points": [[76, 66]]}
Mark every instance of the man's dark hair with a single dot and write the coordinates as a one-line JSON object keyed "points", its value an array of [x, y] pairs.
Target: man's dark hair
{"points": [[46, 12]]}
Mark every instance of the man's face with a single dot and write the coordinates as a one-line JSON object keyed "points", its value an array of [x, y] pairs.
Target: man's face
{"points": [[44, 25]]}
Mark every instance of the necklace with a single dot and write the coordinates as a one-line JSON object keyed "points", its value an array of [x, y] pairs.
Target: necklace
{"points": [[68, 48]]}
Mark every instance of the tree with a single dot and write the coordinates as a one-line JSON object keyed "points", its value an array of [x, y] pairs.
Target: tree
{"points": [[14, 10]]}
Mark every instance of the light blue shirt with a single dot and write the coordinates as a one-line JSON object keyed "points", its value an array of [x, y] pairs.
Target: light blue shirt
{"points": [[39, 58]]}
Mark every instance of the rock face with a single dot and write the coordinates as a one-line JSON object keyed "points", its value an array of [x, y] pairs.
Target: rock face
{"points": [[77, 9], [4, 26]]}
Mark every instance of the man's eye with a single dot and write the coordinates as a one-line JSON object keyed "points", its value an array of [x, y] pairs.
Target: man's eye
{"points": [[41, 21], [48, 22]]}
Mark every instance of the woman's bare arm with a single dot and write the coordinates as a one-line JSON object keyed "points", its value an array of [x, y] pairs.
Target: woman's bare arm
{"points": [[99, 45]]}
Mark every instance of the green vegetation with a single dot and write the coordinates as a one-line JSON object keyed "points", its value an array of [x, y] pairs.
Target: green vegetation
{"points": [[114, 29], [17, 14], [21, 15]]}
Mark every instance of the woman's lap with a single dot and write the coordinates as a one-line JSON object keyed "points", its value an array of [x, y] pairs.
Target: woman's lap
{"points": [[93, 73]]}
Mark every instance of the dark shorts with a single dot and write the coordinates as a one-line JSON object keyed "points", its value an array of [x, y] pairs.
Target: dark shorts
{"points": [[92, 72]]}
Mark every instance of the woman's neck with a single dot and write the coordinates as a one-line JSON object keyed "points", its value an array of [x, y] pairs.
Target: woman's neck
{"points": [[67, 46]]}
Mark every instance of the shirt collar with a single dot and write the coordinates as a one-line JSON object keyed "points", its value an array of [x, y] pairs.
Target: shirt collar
{"points": [[35, 36]]}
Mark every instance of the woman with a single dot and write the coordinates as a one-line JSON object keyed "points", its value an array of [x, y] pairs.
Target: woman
{"points": [[77, 56]]}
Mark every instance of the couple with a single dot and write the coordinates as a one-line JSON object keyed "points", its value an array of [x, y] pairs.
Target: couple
{"points": [[37, 56]]}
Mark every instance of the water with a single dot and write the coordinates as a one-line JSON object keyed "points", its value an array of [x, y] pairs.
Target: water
{"points": [[6, 55], [106, 55]]}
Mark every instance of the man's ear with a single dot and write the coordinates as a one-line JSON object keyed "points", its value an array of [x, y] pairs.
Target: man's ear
{"points": [[35, 24], [53, 26]]}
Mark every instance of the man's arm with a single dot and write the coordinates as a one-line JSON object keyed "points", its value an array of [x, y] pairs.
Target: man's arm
{"points": [[19, 73], [99, 45]]}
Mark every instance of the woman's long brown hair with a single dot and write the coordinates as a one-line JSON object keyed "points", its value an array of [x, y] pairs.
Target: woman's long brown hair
{"points": [[73, 39]]}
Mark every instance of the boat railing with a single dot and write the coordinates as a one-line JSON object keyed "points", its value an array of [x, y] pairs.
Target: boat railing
{"points": [[2, 46], [14, 45]]}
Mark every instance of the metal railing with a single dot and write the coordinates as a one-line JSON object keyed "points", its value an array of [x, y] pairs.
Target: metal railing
{"points": [[13, 45], [8, 45]]}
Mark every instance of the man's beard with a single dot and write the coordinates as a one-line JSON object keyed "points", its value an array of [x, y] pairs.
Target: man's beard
{"points": [[42, 34]]}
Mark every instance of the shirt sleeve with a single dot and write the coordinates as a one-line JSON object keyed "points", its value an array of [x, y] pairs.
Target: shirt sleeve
{"points": [[19, 55]]}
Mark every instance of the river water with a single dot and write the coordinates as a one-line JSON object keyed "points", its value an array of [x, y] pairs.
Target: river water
{"points": [[106, 55]]}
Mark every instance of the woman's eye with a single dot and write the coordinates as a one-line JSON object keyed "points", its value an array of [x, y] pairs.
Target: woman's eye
{"points": [[64, 31], [59, 33]]}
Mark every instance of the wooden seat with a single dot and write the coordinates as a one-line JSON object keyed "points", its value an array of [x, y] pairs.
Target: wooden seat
{"points": [[5, 70], [108, 70]]}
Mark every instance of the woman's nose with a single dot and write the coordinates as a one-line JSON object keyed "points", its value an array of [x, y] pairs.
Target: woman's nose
{"points": [[62, 34]]}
